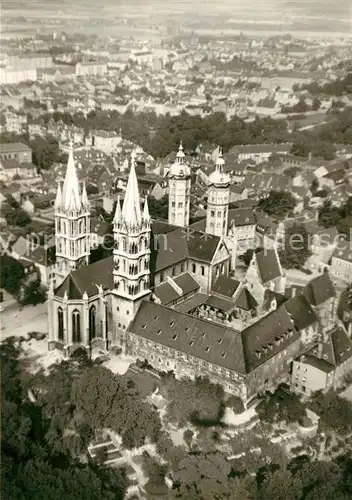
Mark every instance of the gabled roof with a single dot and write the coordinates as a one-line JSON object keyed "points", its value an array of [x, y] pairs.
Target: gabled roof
{"points": [[319, 289], [178, 245], [170, 249], [166, 293], [335, 349], [225, 285], [268, 265], [190, 335], [86, 279], [241, 217], [342, 345], [202, 246], [268, 336], [245, 300], [13, 147], [343, 253], [301, 312]]}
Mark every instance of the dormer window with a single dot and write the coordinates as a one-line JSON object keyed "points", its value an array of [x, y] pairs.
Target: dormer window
{"points": [[207, 349], [172, 323], [174, 337], [191, 343]]}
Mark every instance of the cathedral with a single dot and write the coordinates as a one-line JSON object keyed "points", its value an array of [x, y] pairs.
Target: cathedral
{"points": [[167, 295]]}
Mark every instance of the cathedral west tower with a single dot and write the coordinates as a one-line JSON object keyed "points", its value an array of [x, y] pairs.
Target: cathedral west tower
{"points": [[131, 254], [72, 223]]}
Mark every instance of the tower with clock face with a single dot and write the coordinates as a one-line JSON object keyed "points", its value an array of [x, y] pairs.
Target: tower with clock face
{"points": [[179, 191]]}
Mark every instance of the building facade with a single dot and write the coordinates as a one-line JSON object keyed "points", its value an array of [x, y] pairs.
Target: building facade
{"points": [[179, 191]]}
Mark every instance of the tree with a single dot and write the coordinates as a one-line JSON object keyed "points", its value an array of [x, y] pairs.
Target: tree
{"points": [[12, 273], [158, 209], [199, 401], [339, 217], [15, 215], [204, 476], [114, 402], [30, 467], [280, 484], [247, 256], [278, 203], [188, 436], [281, 406], [296, 247], [316, 104], [32, 293], [336, 412]]}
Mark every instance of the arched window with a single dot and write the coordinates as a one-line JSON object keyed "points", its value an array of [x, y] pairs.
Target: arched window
{"points": [[59, 225], [124, 244], [76, 327], [60, 323], [92, 322], [174, 271], [81, 227], [202, 270], [194, 268]]}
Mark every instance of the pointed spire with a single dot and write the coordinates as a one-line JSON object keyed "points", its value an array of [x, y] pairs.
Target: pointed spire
{"points": [[131, 210], [117, 216], [218, 176], [84, 197], [220, 162], [71, 199], [58, 198], [146, 216], [180, 154]]}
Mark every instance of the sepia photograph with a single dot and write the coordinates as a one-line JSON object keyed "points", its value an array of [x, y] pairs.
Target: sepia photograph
{"points": [[176, 249]]}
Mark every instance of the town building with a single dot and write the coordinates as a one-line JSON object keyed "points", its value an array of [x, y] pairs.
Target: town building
{"points": [[16, 151], [325, 365], [341, 262]]}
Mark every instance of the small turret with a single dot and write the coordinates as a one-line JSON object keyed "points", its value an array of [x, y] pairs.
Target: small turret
{"points": [[146, 216], [84, 198], [58, 199], [180, 169]]}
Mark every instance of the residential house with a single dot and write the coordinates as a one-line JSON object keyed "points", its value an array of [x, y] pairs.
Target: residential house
{"points": [[325, 366], [16, 151], [341, 262]]}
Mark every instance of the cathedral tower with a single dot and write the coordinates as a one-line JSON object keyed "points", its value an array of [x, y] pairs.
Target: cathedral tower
{"points": [[131, 253], [218, 200], [72, 223], [179, 190]]}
